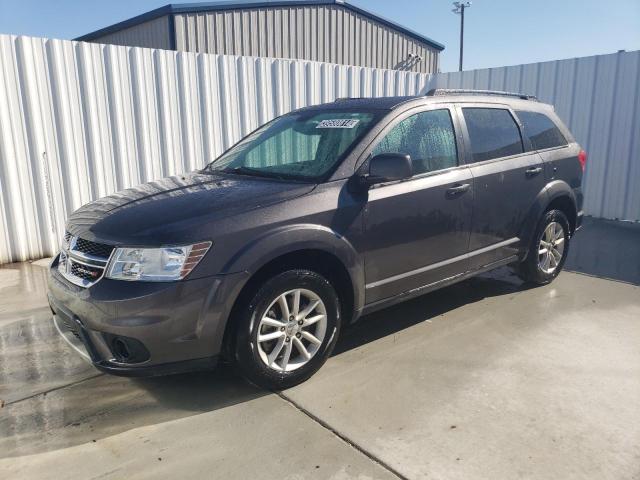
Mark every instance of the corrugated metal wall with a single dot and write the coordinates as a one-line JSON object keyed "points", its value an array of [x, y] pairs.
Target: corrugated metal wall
{"points": [[599, 99], [81, 120], [325, 33], [151, 34]]}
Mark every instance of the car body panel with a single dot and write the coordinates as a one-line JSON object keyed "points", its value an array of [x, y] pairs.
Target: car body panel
{"points": [[412, 228], [504, 192], [178, 209]]}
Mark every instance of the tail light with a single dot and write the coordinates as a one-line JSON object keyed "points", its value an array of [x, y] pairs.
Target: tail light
{"points": [[582, 158]]}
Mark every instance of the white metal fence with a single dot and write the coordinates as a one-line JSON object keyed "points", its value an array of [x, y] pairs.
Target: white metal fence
{"points": [[79, 121], [599, 99]]}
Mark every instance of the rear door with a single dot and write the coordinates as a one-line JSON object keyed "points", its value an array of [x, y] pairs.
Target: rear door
{"points": [[417, 230], [558, 150], [507, 180]]}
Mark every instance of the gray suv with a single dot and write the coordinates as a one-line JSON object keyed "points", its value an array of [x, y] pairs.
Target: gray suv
{"points": [[316, 218]]}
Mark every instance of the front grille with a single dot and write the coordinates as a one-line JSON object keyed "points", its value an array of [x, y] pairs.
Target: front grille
{"points": [[83, 262], [93, 248], [85, 271]]}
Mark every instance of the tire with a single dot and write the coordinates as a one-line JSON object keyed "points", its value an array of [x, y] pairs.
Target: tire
{"points": [[261, 329], [532, 269]]}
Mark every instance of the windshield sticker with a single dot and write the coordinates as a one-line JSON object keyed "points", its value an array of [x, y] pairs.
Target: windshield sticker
{"points": [[338, 123]]}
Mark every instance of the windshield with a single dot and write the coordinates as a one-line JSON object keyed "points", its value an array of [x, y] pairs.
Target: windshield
{"points": [[304, 145]]}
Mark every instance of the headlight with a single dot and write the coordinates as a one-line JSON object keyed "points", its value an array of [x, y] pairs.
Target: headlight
{"points": [[156, 264]]}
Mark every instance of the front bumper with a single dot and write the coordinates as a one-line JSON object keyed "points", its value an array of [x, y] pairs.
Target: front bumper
{"points": [[165, 327]]}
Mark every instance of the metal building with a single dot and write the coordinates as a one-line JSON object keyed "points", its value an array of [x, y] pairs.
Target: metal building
{"points": [[332, 31]]}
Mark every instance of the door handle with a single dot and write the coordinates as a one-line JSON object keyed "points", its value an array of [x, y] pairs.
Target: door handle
{"points": [[533, 171], [458, 189]]}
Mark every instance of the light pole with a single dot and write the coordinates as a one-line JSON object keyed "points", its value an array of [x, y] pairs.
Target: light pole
{"points": [[459, 9]]}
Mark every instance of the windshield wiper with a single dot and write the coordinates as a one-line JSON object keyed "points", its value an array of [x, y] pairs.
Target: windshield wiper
{"points": [[255, 172]]}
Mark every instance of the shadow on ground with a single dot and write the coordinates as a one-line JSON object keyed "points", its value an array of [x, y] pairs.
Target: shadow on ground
{"points": [[606, 249], [377, 325]]}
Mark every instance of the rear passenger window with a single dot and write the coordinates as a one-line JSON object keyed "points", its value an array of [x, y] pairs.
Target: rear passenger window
{"points": [[541, 130], [427, 137], [493, 133]]}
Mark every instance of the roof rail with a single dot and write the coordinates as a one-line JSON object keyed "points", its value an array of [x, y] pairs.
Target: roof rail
{"points": [[460, 91]]}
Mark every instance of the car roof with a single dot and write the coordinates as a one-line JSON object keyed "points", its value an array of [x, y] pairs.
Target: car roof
{"points": [[391, 103], [373, 103]]}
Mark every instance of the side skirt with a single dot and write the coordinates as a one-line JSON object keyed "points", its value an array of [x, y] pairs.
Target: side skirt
{"points": [[416, 292]]}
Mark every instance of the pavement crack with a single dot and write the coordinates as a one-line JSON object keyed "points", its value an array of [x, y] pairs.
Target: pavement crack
{"points": [[59, 387], [342, 437]]}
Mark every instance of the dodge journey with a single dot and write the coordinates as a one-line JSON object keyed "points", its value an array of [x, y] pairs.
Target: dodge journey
{"points": [[316, 218]]}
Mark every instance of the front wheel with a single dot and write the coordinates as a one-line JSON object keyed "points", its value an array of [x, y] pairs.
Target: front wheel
{"points": [[548, 250], [288, 329]]}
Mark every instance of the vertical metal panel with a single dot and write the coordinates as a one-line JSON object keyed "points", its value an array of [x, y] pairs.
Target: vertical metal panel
{"points": [[152, 34], [599, 99], [82, 120], [327, 33]]}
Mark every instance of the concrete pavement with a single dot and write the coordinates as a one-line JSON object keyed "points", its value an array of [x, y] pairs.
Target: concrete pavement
{"points": [[484, 379]]}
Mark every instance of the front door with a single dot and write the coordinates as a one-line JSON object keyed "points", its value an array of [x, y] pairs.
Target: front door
{"points": [[506, 179], [417, 231]]}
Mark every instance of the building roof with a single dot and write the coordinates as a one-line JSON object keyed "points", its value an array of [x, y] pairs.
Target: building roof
{"points": [[237, 5]]}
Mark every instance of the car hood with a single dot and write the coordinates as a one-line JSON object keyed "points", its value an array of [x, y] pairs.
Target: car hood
{"points": [[171, 209]]}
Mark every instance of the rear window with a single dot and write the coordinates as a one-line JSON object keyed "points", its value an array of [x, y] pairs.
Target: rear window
{"points": [[541, 130], [493, 133]]}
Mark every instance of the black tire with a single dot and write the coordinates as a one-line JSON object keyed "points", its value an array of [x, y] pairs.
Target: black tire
{"points": [[530, 269], [247, 355]]}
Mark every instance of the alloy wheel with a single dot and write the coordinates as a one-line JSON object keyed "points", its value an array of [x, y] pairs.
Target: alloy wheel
{"points": [[551, 247], [291, 330]]}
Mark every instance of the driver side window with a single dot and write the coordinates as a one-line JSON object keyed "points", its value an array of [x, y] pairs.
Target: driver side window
{"points": [[428, 137]]}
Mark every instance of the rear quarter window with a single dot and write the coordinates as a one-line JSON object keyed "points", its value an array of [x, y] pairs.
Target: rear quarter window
{"points": [[541, 130], [493, 133]]}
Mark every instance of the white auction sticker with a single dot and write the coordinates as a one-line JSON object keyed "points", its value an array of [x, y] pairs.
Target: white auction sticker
{"points": [[338, 123]]}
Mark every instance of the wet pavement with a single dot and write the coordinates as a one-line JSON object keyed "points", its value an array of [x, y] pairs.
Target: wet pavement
{"points": [[484, 379]]}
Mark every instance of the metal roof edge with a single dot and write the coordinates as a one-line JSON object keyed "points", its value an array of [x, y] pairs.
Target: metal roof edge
{"points": [[130, 22], [233, 5], [390, 23]]}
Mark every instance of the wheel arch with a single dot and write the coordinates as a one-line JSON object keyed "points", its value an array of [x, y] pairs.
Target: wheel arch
{"points": [[312, 247], [566, 206], [555, 195]]}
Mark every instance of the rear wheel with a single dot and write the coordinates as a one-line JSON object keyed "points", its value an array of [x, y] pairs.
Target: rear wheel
{"points": [[288, 329], [548, 249]]}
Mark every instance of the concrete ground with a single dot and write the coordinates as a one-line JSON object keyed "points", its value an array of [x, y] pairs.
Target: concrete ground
{"points": [[484, 379]]}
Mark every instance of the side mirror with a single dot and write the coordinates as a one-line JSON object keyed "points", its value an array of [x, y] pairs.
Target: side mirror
{"points": [[388, 167]]}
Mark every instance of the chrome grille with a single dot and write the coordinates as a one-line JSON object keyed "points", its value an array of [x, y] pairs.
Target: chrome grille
{"points": [[83, 262]]}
